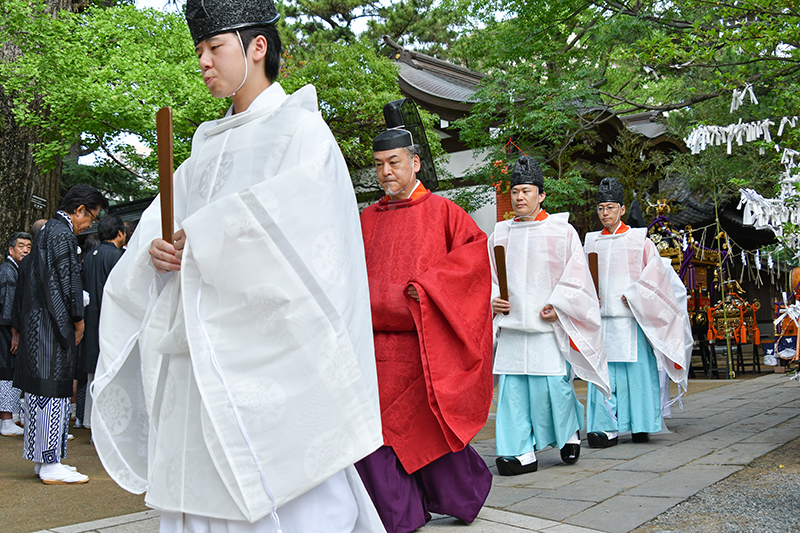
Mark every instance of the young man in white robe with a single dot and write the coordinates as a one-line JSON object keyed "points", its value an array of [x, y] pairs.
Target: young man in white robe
{"points": [[236, 383], [643, 325], [548, 329]]}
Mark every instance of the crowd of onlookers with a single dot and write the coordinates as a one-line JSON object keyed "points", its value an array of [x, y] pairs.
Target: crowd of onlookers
{"points": [[49, 282]]}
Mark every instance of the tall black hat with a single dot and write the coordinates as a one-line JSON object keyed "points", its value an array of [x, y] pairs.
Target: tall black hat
{"points": [[610, 190], [405, 128], [391, 139], [527, 171], [635, 217], [207, 18]]}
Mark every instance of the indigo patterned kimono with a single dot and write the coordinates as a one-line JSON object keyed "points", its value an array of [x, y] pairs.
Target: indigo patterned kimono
{"points": [[49, 303]]}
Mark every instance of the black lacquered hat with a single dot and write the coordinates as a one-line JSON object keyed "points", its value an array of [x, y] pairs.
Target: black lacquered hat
{"points": [[527, 171], [610, 190], [391, 139], [207, 18]]}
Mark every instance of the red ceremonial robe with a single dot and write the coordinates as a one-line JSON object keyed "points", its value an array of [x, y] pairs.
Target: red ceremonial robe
{"points": [[434, 357]]}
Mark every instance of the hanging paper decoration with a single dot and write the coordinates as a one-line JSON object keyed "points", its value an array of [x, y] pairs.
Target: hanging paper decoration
{"points": [[773, 213], [738, 97], [784, 121], [702, 137]]}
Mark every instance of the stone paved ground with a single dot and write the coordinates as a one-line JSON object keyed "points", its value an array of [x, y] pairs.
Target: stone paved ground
{"points": [[711, 453]]}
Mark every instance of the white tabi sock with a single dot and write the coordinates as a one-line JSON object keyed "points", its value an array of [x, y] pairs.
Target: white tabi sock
{"points": [[574, 439], [526, 458], [9, 429], [611, 434]]}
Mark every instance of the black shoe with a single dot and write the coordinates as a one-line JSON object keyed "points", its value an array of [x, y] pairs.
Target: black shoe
{"points": [[570, 453], [640, 437], [600, 440], [510, 466]]}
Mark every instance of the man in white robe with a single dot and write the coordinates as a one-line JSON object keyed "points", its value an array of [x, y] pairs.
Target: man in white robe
{"points": [[550, 333], [644, 326], [236, 383]]}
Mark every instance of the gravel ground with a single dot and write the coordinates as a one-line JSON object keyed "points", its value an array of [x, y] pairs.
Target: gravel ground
{"points": [[761, 498]]}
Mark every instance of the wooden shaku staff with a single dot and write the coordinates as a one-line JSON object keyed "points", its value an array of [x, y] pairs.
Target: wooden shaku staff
{"points": [[164, 145], [502, 278]]}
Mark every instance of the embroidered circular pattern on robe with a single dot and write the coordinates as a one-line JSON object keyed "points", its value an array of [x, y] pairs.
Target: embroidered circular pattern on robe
{"points": [[541, 281], [116, 409], [666, 316], [184, 481], [647, 290], [572, 288], [242, 226], [215, 176], [593, 315], [326, 450], [315, 168], [269, 306], [330, 258], [675, 345], [337, 364], [262, 402], [561, 250]]}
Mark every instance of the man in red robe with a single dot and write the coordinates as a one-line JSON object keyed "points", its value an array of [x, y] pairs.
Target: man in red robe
{"points": [[430, 288]]}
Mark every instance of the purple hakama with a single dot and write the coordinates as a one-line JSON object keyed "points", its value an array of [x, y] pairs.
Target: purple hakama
{"points": [[457, 484]]}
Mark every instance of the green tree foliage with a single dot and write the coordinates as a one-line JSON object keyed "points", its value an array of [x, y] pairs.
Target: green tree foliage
{"points": [[115, 183], [551, 64], [430, 26], [636, 168], [90, 77], [354, 84]]}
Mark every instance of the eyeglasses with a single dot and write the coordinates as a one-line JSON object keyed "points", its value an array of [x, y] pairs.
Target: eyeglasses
{"points": [[607, 209], [94, 217]]}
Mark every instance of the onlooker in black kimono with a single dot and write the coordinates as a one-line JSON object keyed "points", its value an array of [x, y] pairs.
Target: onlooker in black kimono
{"points": [[18, 247], [96, 267], [50, 321]]}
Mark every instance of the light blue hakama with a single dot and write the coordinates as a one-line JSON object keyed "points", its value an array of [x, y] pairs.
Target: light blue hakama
{"points": [[636, 395], [535, 411]]}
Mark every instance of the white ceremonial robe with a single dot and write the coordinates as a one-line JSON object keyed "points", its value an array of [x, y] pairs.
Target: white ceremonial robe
{"points": [[629, 265], [546, 265], [249, 378]]}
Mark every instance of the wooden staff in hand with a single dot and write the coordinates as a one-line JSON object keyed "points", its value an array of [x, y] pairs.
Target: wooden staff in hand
{"points": [[501, 304], [166, 252], [164, 143]]}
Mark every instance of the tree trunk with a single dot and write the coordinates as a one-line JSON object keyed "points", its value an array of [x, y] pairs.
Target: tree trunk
{"points": [[26, 192]]}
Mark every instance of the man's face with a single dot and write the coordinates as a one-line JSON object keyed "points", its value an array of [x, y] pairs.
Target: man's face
{"points": [[84, 218], [526, 199], [610, 214], [396, 171], [221, 63], [19, 250]]}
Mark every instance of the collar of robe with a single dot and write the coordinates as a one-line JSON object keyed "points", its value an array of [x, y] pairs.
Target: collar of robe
{"points": [[541, 216], [387, 204], [65, 218], [269, 101], [9, 258], [619, 231]]}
